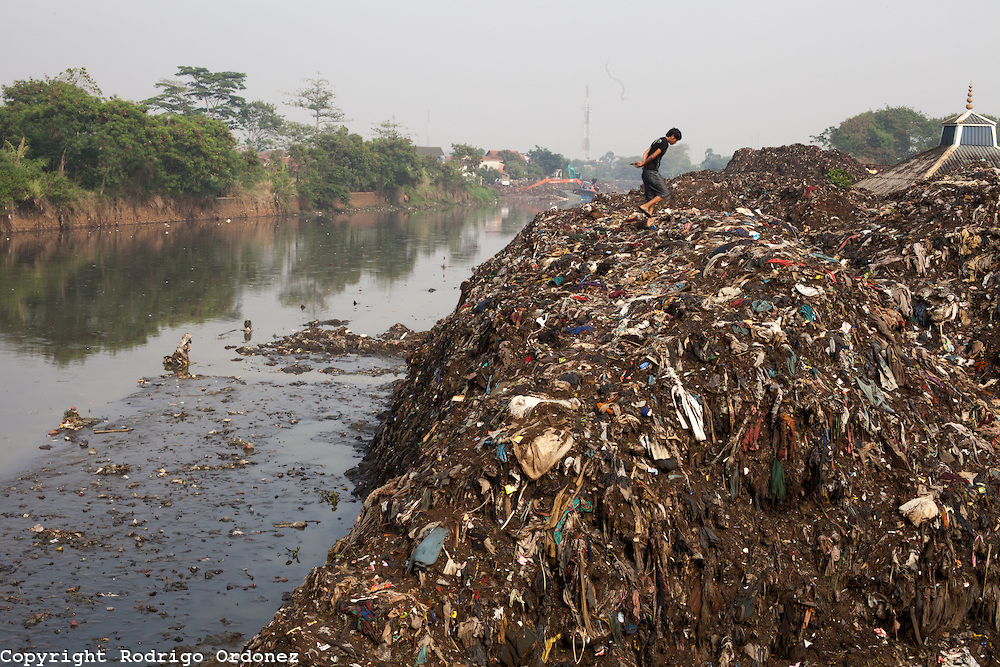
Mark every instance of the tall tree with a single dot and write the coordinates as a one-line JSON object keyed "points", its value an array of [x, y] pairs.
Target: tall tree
{"points": [[261, 124], [172, 98], [210, 93], [216, 91], [317, 97], [886, 136], [397, 163]]}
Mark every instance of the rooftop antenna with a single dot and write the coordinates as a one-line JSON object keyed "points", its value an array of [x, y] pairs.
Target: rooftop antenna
{"points": [[968, 100], [586, 125]]}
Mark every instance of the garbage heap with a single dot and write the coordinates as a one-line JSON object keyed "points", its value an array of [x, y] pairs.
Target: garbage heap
{"points": [[709, 437]]}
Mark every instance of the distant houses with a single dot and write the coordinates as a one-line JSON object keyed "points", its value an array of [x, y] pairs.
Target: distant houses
{"points": [[492, 160], [430, 151]]}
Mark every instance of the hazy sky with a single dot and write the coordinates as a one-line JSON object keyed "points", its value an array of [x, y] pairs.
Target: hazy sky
{"points": [[514, 74]]}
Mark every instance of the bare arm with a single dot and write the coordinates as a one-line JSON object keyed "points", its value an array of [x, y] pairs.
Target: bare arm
{"points": [[647, 158]]}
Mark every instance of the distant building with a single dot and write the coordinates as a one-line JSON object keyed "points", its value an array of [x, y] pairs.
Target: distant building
{"points": [[494, 159], [430, 151], [966, 138]]}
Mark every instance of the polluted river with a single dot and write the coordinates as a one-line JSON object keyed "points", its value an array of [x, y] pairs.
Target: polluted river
{"points": [[146, 510], [758, 427]]}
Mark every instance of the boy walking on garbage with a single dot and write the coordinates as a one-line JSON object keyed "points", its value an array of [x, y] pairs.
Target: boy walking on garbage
{"points": [[653, 184]]}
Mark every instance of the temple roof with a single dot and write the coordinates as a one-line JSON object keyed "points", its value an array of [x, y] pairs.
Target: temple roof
{"points": [[965, 138]]}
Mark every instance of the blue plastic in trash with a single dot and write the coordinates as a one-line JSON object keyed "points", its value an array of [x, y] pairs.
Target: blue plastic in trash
{"points": [[428, 550]]}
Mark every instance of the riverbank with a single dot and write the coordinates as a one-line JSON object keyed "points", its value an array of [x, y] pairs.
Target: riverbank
{"points": [[112, 213], [757, 427]]}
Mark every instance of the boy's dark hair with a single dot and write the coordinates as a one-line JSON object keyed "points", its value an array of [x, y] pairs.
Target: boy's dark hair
{"points": [[674, 132]]}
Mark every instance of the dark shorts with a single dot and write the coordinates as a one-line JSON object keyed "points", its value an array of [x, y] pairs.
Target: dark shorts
{"points": [[654, 185]]}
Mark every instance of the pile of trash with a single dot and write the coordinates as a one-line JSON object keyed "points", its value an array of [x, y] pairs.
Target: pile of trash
{"points": [[316, 338], [714, 436], [805, 163], [72, 421], [790, 182]]}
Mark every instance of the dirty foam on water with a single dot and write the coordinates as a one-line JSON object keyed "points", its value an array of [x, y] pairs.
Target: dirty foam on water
{"points": [[183, 520]]}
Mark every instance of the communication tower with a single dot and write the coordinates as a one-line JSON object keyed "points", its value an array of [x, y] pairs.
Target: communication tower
{"points": [[586, 125]]}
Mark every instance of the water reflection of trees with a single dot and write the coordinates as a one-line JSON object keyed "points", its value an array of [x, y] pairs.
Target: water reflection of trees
{"points": [[66, 296], [335, 255]]}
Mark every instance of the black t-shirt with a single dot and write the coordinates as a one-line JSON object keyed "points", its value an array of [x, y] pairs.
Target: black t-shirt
{"points": [[663, 145]]}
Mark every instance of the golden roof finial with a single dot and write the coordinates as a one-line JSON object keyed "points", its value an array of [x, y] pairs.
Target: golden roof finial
{"points": [[968, 100]]}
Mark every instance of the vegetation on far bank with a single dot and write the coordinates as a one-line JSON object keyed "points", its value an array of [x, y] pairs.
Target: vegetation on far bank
{"points": [[64, 144]]}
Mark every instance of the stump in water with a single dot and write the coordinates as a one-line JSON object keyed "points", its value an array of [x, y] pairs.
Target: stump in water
{"points": [[178, 362]]}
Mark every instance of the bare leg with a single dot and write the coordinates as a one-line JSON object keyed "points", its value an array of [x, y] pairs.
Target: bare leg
{"points": [[648, 206]]}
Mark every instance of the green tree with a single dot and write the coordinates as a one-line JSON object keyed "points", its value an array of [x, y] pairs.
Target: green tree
{"points": [[317, 97], [210, 93], [261, 125], [125, 163], [331, 166], [468, 156], [173, 98], [56, 118], [544, 162], [515, 165], [24, 181], [16, 175], [294, 133], [714, 161], [67, 138], [488, 175], [196, 157], [79, 77], [886, 136], [444, 175], [396, 159]]}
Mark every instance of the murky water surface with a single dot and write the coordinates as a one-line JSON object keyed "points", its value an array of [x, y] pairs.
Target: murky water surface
{"points": [[182, 517]]}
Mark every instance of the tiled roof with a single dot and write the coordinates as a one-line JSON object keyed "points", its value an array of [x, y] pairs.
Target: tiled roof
{"points": [[939, 160], [968, 118], [432, 151]]}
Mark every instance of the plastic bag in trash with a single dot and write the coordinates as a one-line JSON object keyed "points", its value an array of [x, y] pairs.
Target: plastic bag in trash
{"points": [[919, 509], [428, 550], [544, 451]]}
